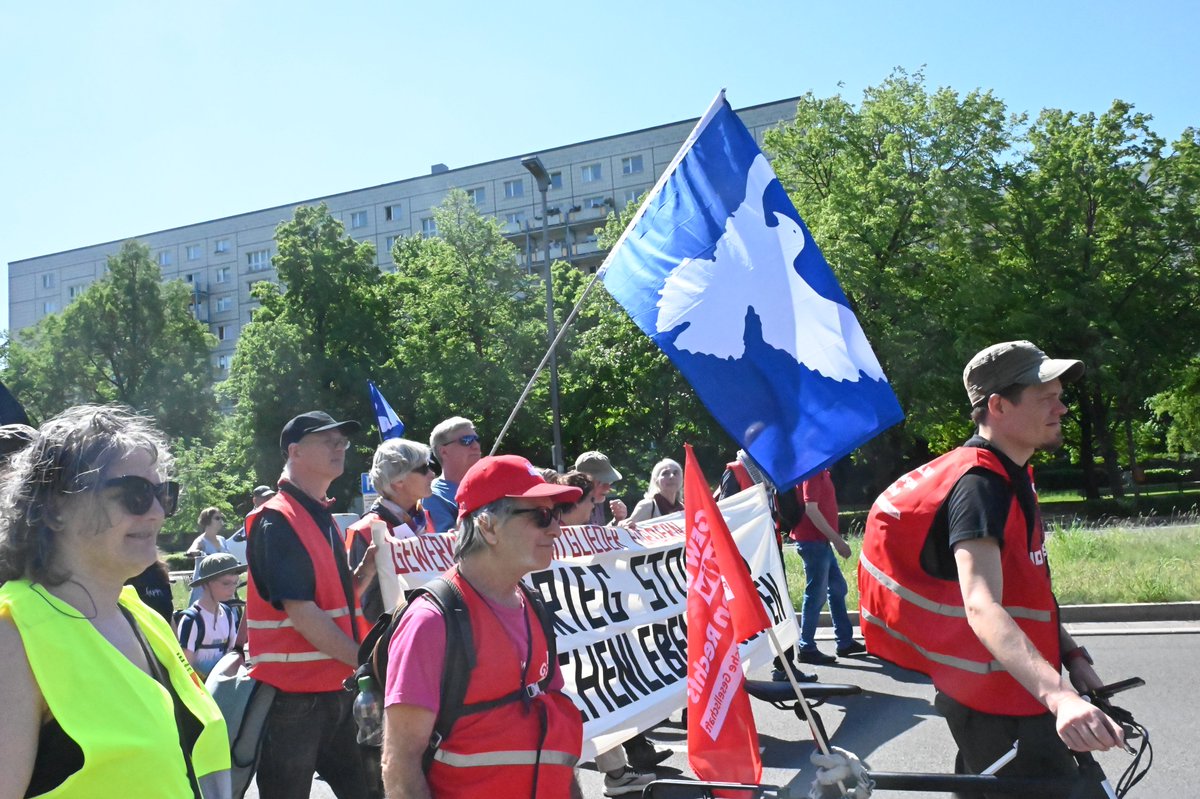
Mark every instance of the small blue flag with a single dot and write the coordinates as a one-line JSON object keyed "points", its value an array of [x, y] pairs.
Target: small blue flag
{"points": [[720, 271], [390, 425]]}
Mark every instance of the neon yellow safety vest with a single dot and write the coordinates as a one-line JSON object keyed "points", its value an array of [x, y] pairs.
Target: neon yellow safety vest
{"points": [[121, 717]]}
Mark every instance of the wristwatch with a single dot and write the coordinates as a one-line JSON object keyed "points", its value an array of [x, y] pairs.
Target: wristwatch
{"points": [[1078, 652]]}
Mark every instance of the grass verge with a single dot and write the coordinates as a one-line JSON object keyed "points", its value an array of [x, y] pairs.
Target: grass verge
{"points": [[1090, 566]]}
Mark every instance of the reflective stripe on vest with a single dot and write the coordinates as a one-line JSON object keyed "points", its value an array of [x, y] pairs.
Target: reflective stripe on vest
{"points": [[122, 719], [507, 738], [280, 655], [519, 757], [919, 622], [276, 624]]}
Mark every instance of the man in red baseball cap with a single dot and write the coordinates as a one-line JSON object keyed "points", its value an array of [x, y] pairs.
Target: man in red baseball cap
{"points": [[527, 738]]}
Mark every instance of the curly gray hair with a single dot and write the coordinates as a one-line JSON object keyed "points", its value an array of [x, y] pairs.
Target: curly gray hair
{"points": [[61, 466]]}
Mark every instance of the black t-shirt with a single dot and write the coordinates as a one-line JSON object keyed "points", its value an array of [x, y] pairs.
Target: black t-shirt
{"points": [[278, 561], [976, 507]]}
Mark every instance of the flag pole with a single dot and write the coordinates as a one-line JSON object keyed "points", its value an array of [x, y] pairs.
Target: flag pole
{"points": [[818, 735], [701, 124]]}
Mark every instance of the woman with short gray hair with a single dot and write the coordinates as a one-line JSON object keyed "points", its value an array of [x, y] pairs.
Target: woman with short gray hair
{"points": [[401, 473]]}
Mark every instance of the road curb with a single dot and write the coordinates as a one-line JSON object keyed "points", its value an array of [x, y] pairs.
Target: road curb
{"points": [[1081, 614]]}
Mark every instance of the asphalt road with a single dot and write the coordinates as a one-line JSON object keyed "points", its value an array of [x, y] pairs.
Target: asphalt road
{"points": [[894, 727]]}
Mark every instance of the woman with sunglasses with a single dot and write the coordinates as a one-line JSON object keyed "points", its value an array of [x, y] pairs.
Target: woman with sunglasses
{"points": [[98, 698], [664, 494], [402, 475], [211, 522]]}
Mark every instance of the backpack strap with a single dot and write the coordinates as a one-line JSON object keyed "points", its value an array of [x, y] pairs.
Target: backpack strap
{"points": [[197, 619], [458, 665]]}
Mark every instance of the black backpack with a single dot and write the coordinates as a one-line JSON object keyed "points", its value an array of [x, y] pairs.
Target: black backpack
{"points": [[460, 655], [191, 612]]}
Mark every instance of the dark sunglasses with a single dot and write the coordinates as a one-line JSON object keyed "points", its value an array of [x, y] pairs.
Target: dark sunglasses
{"points": [[543, 516], [424, 468], [138, 494], [466, 440]]}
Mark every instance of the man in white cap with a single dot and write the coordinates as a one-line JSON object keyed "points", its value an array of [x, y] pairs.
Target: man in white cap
{"points": [[954, 580]]}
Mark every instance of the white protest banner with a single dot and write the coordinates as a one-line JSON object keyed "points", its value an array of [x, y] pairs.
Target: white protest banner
{"points": [[619, 599]]}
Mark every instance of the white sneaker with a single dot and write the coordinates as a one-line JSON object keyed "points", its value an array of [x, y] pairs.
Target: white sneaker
{"points": [[628, 781]]}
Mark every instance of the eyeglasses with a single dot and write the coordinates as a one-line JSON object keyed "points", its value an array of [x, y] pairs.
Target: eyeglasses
{"points": [[335, 444], [424, 468], [138, 494], [543, 516], [466, 440]]}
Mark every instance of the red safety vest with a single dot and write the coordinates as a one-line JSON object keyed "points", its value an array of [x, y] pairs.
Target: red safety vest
{"points": [[362, 527], [492, 753], [918, 621], [280, 655]]}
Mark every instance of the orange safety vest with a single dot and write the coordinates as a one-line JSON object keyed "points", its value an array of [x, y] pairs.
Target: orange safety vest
{"points": [[918, 621], [499, 752], [280, 655]]}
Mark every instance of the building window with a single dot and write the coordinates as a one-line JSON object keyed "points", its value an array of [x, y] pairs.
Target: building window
{"points": [[221, 246], [257, 261], [223, 274], [631, 165], [223, 363], [193, 252], [556, 180], [389, 242], [48, 280], [476, 195], [164, 258], [75, 291], [49, 306], [631, 195], [594, 202], [190, 277], [590, 173], [429, 226], [516, 218], [220, 332], [224, 304], [514, 189], [391, 213], [358, 219]]}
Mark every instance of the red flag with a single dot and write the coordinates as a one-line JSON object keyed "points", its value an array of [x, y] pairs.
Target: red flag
{"points": [[723, 609]]}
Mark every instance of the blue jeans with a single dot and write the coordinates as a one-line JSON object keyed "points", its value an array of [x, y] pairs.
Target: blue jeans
{"points": [[822, 579]]}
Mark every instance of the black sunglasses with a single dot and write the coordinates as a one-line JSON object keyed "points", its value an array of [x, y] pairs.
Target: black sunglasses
{"points": [[138, 494], [543, 516], [466, 440], [424, 468]]}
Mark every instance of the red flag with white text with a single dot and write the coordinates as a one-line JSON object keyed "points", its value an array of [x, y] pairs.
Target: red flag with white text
{"points": [[723, 609]]}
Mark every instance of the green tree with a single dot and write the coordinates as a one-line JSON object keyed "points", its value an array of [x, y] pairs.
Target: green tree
{"points": [[129, 338], [470, 331], [311, 346], [620, 394], [1100, 242], [902, 193]]}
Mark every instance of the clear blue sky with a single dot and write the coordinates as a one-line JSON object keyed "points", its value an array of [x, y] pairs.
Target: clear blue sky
{"points": [[121, 117]]}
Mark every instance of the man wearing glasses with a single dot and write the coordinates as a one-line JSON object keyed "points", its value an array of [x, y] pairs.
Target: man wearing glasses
{"points": [[304, 619], [457, 448], [520, 735]]}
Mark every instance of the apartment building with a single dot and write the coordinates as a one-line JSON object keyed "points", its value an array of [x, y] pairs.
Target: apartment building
{"points": [[221, 258]]}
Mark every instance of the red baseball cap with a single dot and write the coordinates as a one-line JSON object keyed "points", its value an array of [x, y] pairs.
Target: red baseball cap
{"points": [[511, 476]]}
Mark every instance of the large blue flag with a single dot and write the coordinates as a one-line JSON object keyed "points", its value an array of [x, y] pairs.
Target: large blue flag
{"points": [[720, 271], [390, 425]]}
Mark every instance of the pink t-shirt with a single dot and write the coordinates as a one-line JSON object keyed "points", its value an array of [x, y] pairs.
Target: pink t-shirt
{"points": [[417, 653]]}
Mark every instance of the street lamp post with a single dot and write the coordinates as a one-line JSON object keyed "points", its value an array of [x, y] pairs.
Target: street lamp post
{"points": [[542, 178]]}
